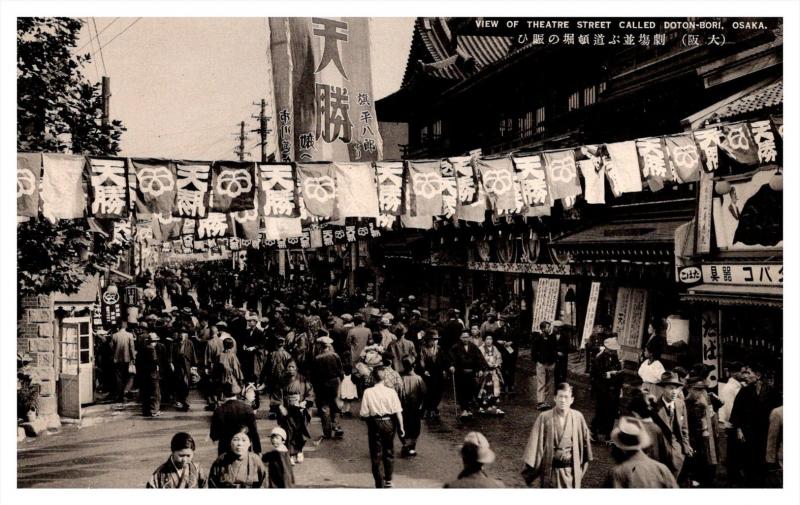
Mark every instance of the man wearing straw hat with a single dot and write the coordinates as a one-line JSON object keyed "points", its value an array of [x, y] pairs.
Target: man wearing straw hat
{"points": [[475, 454], [633, 468]]}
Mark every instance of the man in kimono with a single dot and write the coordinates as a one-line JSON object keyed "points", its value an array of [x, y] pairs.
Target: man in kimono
{"points": [[558, 451], [466, 362], [326, 377], [292, 400], [183, 359]]}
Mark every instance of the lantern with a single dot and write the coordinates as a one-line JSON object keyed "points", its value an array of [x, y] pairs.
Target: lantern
{"points": [[722, 187]]}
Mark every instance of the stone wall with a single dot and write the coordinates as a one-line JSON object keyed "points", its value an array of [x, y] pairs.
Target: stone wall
{"points": [[35, 338]]}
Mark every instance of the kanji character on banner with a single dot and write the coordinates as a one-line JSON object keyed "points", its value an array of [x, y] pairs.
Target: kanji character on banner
{"points": [[533, 180], [654, 162], [764, 138], [466, 181], [278, 187], [708, 141], [108, 182], [193, 186], [215, 225], [390, 187]]}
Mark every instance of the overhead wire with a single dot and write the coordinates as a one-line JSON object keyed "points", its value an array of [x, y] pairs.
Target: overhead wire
{"points": [[92, 38], [102, 58], [119, 34], [96, 69]]}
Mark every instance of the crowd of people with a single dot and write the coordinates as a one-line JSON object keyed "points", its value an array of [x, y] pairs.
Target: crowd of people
{"points": [[292, 351]]}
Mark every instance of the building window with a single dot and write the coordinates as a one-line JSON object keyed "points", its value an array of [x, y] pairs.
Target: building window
{"points": [[527, 124], [540, 118], [602, 88], [506, 127], [436, 130], [423, 135], [589, 96], [574, 101]]}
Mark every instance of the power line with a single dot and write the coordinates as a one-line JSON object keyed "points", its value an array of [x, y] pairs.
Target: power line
{"points": [[119, 34], [96, 69], [92, 38], [102, 58]]}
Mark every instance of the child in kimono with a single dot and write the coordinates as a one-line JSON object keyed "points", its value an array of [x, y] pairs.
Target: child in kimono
{"points": [[489, 395], [277, 460], [179, 471]]}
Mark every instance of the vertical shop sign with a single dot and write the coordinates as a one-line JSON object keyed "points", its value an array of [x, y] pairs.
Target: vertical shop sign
{"points": [[711, 345], [591, 312], [547, 291]]}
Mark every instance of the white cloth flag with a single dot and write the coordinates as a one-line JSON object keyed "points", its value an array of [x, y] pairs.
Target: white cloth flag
{"points": [[622, 169], [277, 228], [595, 191], [63, 196], [357, 194]]}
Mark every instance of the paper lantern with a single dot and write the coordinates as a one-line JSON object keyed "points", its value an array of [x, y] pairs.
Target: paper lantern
{"points": [[722, 187], [776, 182]]}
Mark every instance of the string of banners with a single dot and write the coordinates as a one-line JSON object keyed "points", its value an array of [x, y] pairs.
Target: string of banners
{"points": [[287, 205]]}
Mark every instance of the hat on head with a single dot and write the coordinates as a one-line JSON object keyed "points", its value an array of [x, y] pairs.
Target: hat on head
{"points": [[386, 322], [265, 319], [417, 312], [411, 298], [153, 337], [221, 324], [696, 381], [143, 325], [151, 317], [612, 344], [187, 310], [558, 322], [278, 431], [174, 309], [347, 317], [252, 317], [476, 448], [325, 340], [670, 378], [630, 434]]}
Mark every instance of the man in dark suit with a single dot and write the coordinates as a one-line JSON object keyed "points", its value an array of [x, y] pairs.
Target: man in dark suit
{"points": [[250, 349], [229, 417], [671, 410], [466, 365]]}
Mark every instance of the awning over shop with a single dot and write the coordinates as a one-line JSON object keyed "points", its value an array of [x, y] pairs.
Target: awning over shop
{"points": [[766, 296], [654, 241]]}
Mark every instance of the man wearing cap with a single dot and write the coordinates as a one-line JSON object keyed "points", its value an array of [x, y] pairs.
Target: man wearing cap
{"points": [[250, 348], [702, 421], [632, 467], [475, 454], [123, 353], [148, 363], [606, 386], [382, 411], [357, 338], [466, 363], [326, 376], [544, 355], [559, 449], [672, 411]]}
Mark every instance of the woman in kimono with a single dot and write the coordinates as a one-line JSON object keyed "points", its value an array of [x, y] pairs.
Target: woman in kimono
{"points": [[292, 400], [489, 394], [229, 371], [179, 471], [239, 467], [183, 359]]}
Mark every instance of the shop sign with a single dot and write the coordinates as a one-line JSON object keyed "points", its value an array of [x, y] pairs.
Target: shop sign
{"points": [[629, 319], [547, 291], [520, 268], [690, 275], [591, 311], [704, 213], [711, 345], [743, 274]]}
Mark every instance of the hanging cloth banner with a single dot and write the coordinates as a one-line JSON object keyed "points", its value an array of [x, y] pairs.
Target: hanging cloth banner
{"points": [[156, 186], [546, 306], [317, 188], [425, 188], [474, 212], [315, 236], [654, 162], [278, 191], [417, 222], [305, 239], [282, 71], [390, 187], [591, 167], [764, 137], [497, 180], [357, 193], [108, 188], [533, 180], [708, 141], [738, 150], [247, 222], [166, 227], [591, 313], [278, 228], [233, 186], [466, 182], [193, 185], [449, 189], [327, 237], [29, 175], [215, 225], [684, 156], [562, 174], [622, 168], [777, 121]]}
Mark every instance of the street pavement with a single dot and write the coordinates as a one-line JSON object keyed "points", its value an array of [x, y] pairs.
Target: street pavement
{"points": [[124, 449]]}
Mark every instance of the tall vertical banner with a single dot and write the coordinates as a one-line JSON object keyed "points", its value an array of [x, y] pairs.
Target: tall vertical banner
{"points": [[711, 348], [108, 187], [629, 319], [323, 89], [591, 313], [704, 211], [547, 291]]}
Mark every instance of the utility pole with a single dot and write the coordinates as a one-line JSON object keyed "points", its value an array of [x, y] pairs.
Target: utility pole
{"points": [[239, 149], [263, 129]]}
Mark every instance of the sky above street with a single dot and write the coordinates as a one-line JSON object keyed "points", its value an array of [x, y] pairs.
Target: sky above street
{"points": [[181, 86]]}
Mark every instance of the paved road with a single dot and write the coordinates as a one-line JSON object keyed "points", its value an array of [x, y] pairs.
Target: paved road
{"points": [[123, 452]]}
